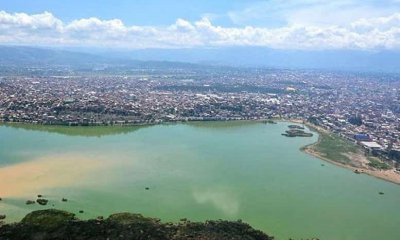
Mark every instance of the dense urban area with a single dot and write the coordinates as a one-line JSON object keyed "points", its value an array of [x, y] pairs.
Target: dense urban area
{"points": [[364, 108]]}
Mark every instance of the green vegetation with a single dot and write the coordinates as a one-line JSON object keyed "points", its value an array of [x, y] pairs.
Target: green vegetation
{"points": [[296, 133], [376, 163], [296, 127], [335, 148], [48, 219], [55, 224], [130, 218]]}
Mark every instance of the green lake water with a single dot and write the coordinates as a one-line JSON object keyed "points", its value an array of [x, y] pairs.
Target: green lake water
{"points": [[199, 171]]}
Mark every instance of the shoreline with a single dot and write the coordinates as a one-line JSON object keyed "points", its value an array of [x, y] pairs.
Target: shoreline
{"points": [[386, 175], [127, 125], [139, 124]]}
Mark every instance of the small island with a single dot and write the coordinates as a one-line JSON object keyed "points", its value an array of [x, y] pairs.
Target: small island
{"points": [[296, 127], [296, 131]]}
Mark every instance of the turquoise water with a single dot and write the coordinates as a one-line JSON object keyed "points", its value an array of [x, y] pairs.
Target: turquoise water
{"points": [[215, 170]]}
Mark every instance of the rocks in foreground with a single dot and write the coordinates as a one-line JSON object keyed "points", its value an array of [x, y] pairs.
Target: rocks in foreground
{"points": [[56, 224]]}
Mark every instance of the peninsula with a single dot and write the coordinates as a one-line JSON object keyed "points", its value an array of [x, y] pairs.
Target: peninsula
{"points": [[344, 153]]}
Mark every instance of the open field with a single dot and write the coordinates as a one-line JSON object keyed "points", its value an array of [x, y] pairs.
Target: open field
{"points": [[336, 148], [339, 151]]}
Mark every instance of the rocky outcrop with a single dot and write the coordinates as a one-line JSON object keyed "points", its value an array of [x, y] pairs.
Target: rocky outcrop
{"points": [[42, 201], [29, 202], [55, 224]]}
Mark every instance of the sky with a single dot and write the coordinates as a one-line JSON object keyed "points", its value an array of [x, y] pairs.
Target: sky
{"points": [[137, 24]]}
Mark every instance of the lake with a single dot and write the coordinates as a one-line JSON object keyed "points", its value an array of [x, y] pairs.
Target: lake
{"points": [[199, 171]]}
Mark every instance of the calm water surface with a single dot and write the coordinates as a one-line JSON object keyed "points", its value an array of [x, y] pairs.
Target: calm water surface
{"points": [[199, 171]]}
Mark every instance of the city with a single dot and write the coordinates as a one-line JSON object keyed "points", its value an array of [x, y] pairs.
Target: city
{"points": [[349, 104], [200, 120]]}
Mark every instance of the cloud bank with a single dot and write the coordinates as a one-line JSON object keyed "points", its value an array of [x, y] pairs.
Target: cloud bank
{"points": [[46, 29]]}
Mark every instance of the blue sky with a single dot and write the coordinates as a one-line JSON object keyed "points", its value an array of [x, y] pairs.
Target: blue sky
{"points": [[224, 12], [140, 12], [304, 24]]}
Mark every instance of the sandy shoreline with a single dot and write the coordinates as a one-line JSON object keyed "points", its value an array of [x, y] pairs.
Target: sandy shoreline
{"points": [[387, 175]]}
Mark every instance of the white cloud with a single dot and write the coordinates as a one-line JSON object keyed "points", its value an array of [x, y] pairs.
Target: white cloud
{"points": [[45, 29], [311, 12], [182, 25], [381, 23], [44, 20]]}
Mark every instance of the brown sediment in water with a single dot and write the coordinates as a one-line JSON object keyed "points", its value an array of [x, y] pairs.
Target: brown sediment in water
{"points": [[61, 170]]}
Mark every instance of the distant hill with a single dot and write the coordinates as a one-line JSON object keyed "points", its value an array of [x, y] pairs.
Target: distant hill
{"points": [[345, 60], [40, 56], [21, 56]]}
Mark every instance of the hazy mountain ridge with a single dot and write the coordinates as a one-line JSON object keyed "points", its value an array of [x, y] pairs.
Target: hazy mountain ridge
{"points": [[385, 61], [346, 60], [11, 55]]}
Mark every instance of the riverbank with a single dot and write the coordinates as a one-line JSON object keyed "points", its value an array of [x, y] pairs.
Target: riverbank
{"points": [[56, 224], [340, 152]]}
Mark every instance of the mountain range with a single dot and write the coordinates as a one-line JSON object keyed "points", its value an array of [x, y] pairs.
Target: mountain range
{"points": [[344, 60]]}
